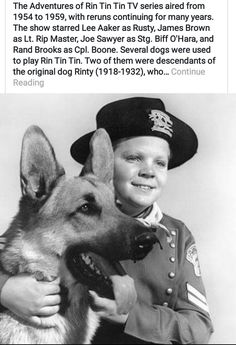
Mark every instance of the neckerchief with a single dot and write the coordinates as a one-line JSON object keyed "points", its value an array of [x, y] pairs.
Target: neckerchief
{"points": [[151, 217]]}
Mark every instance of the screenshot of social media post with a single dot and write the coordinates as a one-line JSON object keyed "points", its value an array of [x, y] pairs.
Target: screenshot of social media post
{"points": [[117, 155]]}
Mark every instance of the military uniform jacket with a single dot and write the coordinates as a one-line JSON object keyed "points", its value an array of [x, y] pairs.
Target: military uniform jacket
{"points": [[171, 305]]}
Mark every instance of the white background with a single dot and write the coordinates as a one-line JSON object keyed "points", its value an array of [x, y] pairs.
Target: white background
{"points": [[201, 192]]}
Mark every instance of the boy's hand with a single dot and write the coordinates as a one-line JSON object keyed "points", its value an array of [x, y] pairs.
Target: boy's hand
{"points": [[125, 297], [31, 299]]}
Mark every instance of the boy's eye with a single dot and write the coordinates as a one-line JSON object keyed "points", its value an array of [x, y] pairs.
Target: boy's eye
{"points": [[161, 164], [133, 158]]}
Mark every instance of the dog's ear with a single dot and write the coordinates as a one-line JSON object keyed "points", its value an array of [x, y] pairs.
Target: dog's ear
{"points": [[100, 161], [39, 169]]}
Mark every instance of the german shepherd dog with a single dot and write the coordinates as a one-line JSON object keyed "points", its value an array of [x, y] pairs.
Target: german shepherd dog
{"points": [[69, 228]]}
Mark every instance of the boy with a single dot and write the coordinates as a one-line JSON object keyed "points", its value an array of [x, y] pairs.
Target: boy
{"points": [[171, 305]]}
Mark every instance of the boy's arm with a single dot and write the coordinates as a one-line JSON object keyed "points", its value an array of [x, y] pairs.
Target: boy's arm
{"points": [[165, 325], [27, 297]]}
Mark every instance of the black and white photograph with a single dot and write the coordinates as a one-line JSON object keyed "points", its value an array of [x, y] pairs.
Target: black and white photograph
{"points": [[117, 218]]}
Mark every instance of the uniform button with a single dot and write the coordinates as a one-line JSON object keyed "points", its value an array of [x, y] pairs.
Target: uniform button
{"points": [[171, 275], [165, 304], [172, 259], [172, 245], [169, 291], [173, 232]]}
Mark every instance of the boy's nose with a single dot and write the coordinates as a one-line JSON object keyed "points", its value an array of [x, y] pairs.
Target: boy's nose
{"points": [[147, 172]]}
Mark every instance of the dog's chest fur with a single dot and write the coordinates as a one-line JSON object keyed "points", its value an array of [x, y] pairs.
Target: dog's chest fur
{"points": [[63, 332], [76, 324], [22, 255]]}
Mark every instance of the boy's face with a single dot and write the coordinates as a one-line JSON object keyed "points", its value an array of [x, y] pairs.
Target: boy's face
{"points": [[141, 165]]}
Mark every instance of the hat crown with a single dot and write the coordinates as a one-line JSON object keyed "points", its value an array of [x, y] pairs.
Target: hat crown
{"points": [[142, 116], [126, 109], [134, 117]]}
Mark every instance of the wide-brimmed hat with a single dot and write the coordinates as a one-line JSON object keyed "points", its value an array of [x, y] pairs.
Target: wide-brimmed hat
{"points": [[141, 116]]}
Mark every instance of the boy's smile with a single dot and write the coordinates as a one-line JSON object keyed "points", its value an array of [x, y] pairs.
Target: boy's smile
{"points": [[140, 173]]}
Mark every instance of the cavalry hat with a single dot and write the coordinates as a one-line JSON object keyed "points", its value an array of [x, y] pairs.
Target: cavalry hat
{"points": [[141, 116]]}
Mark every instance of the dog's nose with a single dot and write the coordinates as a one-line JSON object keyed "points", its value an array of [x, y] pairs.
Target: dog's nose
{"points": [[143, 244]]}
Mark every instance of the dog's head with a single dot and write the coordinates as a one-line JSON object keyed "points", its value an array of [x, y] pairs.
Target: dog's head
{"points": [[77, 217]]}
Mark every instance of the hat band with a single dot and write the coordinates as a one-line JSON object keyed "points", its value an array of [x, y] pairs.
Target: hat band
{"points": [[123, 132]]}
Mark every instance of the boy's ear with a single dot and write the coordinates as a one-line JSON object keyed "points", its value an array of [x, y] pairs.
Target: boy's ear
{"points": [[100, 161], [39, 169]]}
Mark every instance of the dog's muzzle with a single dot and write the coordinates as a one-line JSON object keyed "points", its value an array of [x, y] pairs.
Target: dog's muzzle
{"points": [[143, 244], [93, 271]]}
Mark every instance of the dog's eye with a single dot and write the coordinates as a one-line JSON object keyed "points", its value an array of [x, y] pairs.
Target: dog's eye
{"points": [[87, 209], [84, 208]]}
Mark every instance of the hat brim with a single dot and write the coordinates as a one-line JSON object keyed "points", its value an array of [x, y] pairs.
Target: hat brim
{"points": [[80, 148], [183, 147]]}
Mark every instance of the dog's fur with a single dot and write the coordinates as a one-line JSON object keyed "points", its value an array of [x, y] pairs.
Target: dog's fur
{"points": [[55, 215]]}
